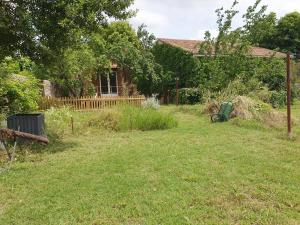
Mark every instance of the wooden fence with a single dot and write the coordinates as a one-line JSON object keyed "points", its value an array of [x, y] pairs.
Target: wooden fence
{"points": [[90, 103]]}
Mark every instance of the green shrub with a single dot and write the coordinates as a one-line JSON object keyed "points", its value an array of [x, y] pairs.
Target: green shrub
{"points": [[189, 96], [263, 95], [19, 90], [2, 120], [253, 89], [295, 93], [278, 98]]}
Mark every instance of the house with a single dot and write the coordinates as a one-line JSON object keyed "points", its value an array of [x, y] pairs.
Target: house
{"points": [[117, 83], [193, 46]]}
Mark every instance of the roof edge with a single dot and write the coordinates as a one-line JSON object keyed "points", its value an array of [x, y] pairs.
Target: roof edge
{"points": [[192, 47]]}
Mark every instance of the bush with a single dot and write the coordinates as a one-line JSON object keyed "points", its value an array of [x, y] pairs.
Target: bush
{"points": [[263, 95], [189, 96], [295, 93], [278, 99], [235, 88], [19, 90], [2, 119], [275, 98], [151, 103], [253, 89]]}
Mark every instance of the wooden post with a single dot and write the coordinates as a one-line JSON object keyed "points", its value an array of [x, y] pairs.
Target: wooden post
{"points": [[177, 91], [72, 124], [289, 94]]}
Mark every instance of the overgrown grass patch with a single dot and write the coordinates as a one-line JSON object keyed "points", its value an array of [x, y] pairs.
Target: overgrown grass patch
{"points": [[127, 117], [190, 109], [198, 173], [134, 118], [123, 118]]}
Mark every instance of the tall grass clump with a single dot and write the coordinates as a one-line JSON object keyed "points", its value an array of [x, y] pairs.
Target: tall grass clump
{"points": [[129, 117], [135, 118], [108, 119], [58, 122]]}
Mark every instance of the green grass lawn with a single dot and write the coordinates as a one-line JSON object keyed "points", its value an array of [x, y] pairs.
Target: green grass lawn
{"points": [[197, 173]]}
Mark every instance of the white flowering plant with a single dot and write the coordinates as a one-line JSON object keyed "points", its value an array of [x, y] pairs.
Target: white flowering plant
{"points": [[151, 103]]}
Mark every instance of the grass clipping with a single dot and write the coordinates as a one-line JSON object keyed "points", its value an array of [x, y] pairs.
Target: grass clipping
{"points": [[249, 109]]}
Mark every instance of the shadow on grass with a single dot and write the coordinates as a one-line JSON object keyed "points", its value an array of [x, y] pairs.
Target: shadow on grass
{"points": [[33, 152], [56, 145]]}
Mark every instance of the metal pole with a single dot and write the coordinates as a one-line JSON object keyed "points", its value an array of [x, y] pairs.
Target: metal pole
{"points": [[289, 94], [177, 91]]}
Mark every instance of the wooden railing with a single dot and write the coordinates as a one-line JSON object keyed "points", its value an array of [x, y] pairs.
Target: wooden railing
{"points": [[90, 103]]}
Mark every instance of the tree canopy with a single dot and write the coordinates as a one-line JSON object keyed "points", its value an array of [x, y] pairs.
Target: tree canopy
{"points": [[71, 41], [266, 30], [288, 33], [225, 60], [39, 28]]}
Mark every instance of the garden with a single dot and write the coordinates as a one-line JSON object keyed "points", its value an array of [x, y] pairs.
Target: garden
{"points": [[220, 155], [182, 169]]}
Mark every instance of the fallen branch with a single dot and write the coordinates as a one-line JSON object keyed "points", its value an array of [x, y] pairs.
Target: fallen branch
{"points": [[12, 134]]}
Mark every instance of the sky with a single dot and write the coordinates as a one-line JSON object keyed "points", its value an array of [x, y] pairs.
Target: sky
{"points": [[189, 19]]}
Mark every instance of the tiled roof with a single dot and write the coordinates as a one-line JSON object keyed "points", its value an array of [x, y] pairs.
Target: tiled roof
{"points": [[193, 47]]}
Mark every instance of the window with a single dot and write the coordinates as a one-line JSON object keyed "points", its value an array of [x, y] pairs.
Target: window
{"points": [[109, 84]]}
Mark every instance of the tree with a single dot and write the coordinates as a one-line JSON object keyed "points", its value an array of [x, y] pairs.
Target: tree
{"points": [[267, 31], [259, 28], [233, 70], [148, 80], [288, 33], [80, 66], [175, 62], [116, 43], [64, 38], [41, 29], [147, 39]]}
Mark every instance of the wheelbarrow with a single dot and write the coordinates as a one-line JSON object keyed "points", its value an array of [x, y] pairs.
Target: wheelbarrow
{"points": [[224, 114]]}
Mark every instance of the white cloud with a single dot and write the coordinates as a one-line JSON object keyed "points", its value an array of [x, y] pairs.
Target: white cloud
{"points": [[201, 33], [151, 19], [189, 19]]}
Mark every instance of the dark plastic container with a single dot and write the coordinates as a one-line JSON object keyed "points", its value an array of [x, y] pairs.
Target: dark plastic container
{"points": [[28, 123]]}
